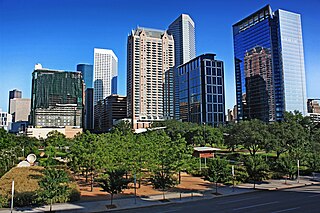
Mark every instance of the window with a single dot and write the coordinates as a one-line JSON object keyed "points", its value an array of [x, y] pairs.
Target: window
{"points": [[208, 80], [209, 107], [209, 89], [219, 72], [208, 70], [209, 98]]}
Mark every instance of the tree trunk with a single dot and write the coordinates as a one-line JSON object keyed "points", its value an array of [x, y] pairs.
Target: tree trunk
{"points": [[254, 184], [216, 188], [86, 174], [179, 177], [50, 205], [91, 180], [111, 198]]}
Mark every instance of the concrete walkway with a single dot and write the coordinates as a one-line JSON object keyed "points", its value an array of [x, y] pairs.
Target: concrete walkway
{"points": [[171, 197]]}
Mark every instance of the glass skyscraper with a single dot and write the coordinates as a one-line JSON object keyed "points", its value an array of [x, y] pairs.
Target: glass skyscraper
{"points": [[269, 65], [183, 32], [87, 74], [201, 91]]}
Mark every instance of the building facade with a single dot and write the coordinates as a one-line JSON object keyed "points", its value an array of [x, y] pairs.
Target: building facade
{"points": [[20, 109], [272, 43], [56, 98], [201, 91], [5, 120], [87, 75], [14, 94], [150, 56], [112, 108], [183, 32], [105, 73]]}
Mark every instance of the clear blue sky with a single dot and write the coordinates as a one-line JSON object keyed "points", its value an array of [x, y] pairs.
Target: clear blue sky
{"points": [[62, 33]]}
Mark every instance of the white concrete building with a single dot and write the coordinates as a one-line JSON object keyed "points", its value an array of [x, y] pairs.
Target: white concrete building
{"points": [[105, 74], [5, 120]]}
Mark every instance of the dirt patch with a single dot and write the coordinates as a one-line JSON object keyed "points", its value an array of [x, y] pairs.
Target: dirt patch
{"points": [[188, 184]]}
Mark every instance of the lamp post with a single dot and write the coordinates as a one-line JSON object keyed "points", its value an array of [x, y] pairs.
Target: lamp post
{"points": [[298, 164]]}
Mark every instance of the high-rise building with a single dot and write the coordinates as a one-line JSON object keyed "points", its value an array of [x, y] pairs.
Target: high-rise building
{"points": [[20, 109], [201, 88], [56, 98], [14, 94], [105, 73], [150, 64], [183, 32], [87, 75], [267, 43], [110, 109]]}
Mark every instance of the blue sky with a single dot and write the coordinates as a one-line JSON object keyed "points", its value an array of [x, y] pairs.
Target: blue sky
{"points": [[59, 34]]}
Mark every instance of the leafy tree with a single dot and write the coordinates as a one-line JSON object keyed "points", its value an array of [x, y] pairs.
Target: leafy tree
{"points": [[288, 166], [218, 171], [256, 168], [113, 182], [54, 186]]}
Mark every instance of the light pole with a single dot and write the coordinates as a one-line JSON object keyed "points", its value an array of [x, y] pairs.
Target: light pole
{"points": [[232, 171], [298, 164]]}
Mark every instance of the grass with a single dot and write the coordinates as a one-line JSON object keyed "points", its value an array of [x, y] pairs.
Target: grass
{"points": [[25, 180]]}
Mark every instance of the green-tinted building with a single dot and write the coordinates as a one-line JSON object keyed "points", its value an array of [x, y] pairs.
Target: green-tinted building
{"points": [[57, 98]]}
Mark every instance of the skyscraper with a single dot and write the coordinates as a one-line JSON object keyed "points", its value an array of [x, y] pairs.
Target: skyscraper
{"points": [[87, 74], [201, 88], [149, 76], [269, 65], [183, 32], [105, 73], [14, 94], [56, 98]]}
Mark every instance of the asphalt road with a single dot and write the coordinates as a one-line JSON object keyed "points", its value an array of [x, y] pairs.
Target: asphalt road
{"points": [[303, 199]]}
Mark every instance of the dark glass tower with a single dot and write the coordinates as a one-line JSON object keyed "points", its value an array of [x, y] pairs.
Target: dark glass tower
{"points": [[87, 75], [269, 65], [201, 91]]}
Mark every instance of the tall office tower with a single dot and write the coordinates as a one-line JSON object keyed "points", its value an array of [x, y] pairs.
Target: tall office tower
{"points": [[105, 73], [87, 75], [14, 94], [279, 35], [201, 88], [56, 98], [149, 76], [183, 32], [259, 84], [20, 109]]}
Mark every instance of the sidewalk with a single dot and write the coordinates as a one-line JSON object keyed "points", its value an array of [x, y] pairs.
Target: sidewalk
{"points": [[171, 197]]}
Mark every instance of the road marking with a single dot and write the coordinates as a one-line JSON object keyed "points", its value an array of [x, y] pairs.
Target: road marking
{"points": [[286, 210], [262, 204], [314, 195], [235, 201]]}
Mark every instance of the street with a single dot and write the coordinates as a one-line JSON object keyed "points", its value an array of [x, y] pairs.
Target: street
{"points": [[303, 199]]}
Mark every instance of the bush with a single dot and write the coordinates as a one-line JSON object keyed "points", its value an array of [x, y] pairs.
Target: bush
{"points": [[4, 201], [74, 193], [24, 199]]}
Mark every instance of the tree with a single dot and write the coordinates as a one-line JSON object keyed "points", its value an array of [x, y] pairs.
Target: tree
{"points": [[288, 166], [256, 168], [252, 135], [218, 171], [54, 186], [113, 182]]}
